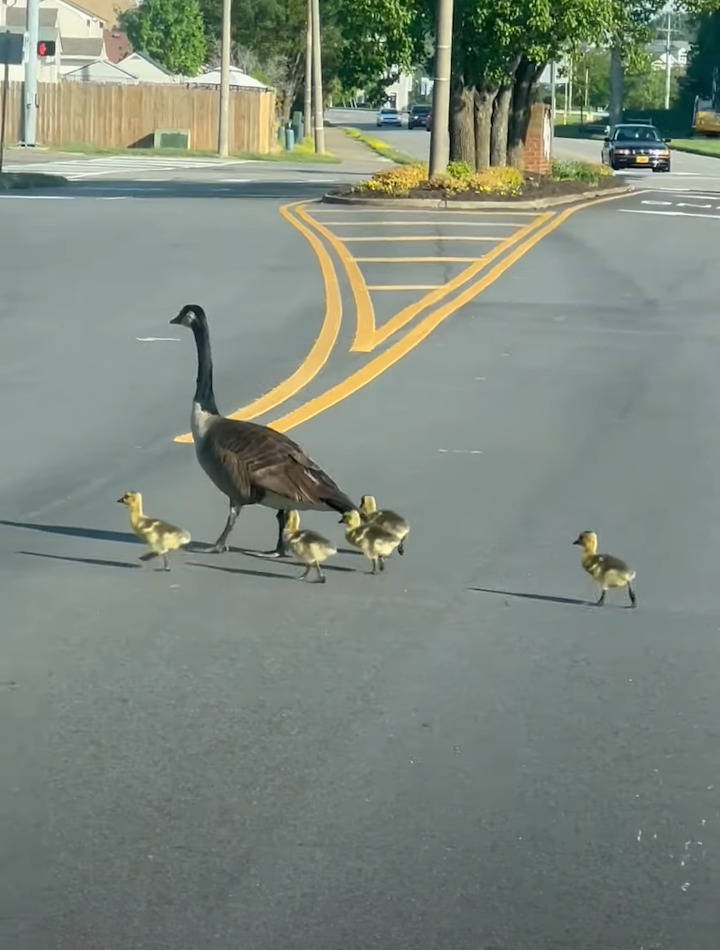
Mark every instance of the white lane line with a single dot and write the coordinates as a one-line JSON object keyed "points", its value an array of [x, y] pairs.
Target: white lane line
{"points": [[673, 214], [158, 339], [41, 197], [656, 202]]}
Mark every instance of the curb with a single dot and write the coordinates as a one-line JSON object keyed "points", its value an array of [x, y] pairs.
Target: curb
{"points": [[537, 204], [19, 181]]}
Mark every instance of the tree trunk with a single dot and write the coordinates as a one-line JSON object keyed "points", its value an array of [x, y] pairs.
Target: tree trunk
{"points": [[617, 82], [500, 126], [524, 90], [462, 128], [482, 114]]}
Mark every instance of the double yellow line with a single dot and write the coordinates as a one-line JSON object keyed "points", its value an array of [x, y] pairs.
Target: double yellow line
{"points": [[367, 337]]}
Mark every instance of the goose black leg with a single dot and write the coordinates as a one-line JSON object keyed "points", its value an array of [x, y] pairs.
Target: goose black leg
{"points": [[220, 546], [631, 594], [602, 599], [280, 549]]}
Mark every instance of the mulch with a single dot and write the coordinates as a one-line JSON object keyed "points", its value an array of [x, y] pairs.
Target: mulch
{"points": [[536, 186]]}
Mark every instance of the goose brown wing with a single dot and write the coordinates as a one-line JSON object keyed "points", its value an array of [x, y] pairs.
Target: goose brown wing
{"points": [[256, 457]]}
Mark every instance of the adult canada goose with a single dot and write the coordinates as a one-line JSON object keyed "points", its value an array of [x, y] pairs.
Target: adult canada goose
{"points": [[390, 521], [309, 547], [607, 571], [250, 463], [160, 536]]}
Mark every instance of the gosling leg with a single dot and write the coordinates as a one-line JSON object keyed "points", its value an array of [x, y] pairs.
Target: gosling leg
{"points": [[305, 572], [631, 594], [381, 561], [147, 557], [166, 562], [401, 547], [602, 598], [374, 564], [321, 577], [220, 546]]}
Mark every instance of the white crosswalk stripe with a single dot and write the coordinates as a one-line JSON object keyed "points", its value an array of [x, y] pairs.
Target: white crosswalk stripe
{"points": [[79, 170]]}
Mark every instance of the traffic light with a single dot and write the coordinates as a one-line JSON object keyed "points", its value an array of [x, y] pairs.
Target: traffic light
{"points": [[46, 48]]}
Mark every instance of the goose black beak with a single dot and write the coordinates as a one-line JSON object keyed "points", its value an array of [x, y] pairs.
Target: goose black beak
{"points": [[176, 319]]}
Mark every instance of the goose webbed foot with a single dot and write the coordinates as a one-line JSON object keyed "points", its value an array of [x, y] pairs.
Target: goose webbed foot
{"points": [[221, 545], [280, 548]]}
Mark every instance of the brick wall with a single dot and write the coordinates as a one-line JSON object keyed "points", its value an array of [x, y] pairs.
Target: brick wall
{"points": [[537, 144]]}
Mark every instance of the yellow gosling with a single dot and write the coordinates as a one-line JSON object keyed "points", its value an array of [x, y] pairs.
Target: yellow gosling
{"points": [[308, 547], [160, 536], [390, 521], [375, 543], [607, 571]]}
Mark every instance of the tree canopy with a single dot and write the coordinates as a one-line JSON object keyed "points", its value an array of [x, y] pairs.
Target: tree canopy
{"points": [[170, 31]]}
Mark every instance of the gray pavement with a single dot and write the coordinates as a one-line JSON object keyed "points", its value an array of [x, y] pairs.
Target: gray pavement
{"points": [[459, 753]]}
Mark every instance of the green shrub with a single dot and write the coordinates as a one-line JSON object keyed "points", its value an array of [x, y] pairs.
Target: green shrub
{"points": [[578, 171]]}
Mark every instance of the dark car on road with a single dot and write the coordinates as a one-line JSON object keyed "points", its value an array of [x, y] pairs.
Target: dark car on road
{"points": [[632, 145], [418, 117]]}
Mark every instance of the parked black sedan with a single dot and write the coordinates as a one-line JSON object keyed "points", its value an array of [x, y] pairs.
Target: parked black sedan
{"points": [[636, 146]]}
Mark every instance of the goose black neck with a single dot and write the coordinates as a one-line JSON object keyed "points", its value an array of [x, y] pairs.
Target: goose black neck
{"points": [[204, 395]]}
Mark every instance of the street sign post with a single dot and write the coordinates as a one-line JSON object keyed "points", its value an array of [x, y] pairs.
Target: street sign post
{"points": [[11, 54]]}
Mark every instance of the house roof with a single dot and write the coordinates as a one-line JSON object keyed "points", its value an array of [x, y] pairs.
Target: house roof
{"points": [[105, 10], [117, 45], [131, 57], [15, 16], [82, 46], [102, 68]]}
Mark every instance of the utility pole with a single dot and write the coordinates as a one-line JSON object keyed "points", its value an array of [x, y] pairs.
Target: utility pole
{"points": [[668, 67], [32, 29], [307, 115], [224, 103], [439, 134], [317, 80]]}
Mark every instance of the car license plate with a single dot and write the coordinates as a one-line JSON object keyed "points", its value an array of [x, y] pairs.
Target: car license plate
{"points": [[642, 160]]}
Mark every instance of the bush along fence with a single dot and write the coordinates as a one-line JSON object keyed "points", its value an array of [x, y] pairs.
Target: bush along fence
{"points": [[115, 116]]}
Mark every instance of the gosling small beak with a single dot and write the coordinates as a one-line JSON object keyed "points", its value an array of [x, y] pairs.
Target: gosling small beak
{"points": [[577, 541], [120, 501], [341, 521]]}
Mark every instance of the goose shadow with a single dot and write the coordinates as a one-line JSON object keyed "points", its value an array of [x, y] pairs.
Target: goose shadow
{"points": [[96, 561], [272, 556], [547, 598], [93, 534]]}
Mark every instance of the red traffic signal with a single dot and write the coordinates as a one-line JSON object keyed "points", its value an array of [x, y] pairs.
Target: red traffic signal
{"points": [[46, 48]]}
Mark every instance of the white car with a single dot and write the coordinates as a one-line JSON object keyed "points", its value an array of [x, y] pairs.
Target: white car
{"points": [[388, 116]]}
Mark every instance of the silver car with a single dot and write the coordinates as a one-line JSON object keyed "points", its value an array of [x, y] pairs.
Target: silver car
{"points": [[388, 116]]}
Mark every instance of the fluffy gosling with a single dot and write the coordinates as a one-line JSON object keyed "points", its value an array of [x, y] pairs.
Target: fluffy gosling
{"points": [[310, 548], [375, 542], [390, 521], [159, 536], [607, 571]]}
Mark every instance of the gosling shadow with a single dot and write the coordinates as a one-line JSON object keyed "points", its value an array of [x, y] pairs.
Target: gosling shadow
{"points": [[239, 570], [95, 561], [93, 534], [548, 598]]}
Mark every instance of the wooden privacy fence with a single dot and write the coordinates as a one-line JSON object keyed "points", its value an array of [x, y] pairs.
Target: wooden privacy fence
{"points": [[116, 116]]}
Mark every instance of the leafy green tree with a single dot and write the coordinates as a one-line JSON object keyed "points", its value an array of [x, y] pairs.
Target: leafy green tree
{"points": [[703, 60], [170, 31]]}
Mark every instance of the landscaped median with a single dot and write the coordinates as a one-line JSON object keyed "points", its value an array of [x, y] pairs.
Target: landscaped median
{"points": [[382, 148], [463, 187], [16, 181]]}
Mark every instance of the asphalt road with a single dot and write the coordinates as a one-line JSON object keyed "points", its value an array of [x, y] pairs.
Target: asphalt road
{"points": [[459, 753], [687, 170]]}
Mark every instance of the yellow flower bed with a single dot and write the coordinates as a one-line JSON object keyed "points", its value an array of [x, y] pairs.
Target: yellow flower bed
{"points": [[459, 179]]}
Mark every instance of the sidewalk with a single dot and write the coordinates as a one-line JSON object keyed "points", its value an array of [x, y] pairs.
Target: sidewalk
{"points": [[351, 152]]}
